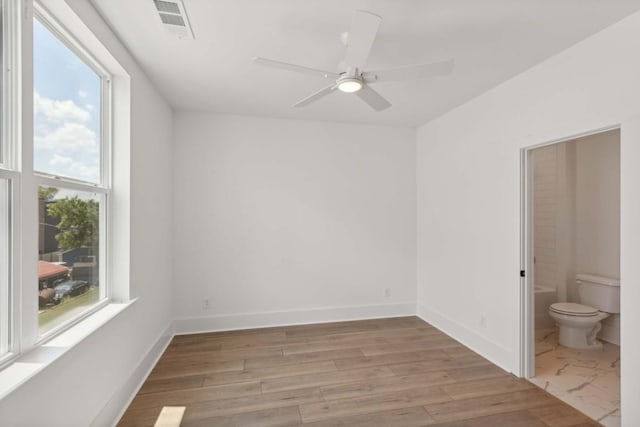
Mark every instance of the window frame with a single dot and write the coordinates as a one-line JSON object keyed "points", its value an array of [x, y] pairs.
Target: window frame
{"points": [[18, 296], [5, 267], [104, 188], [10, 142]]}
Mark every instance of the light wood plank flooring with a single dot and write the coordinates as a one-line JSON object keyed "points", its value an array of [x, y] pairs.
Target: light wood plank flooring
{"points": [[383, 372]]}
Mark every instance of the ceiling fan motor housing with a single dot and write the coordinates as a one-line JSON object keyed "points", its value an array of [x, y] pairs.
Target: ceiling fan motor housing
{"points": [[349, 84]]}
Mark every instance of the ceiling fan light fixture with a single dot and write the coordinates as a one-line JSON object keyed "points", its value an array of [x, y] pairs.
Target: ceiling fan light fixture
{"points": [[349, 85]]}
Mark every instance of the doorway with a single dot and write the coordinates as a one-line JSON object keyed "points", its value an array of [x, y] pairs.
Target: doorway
{"points": [[571, 227]]}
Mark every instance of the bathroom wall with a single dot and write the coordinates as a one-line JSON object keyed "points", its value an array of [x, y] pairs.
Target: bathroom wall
{"points": [[598, 204], [598, 213], [567, 221], [545, 212], [548, 167], [554, 180], [554, 219]]}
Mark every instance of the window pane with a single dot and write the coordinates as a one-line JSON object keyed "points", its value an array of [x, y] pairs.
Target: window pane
{"points": [[4, 266], [66, 110], [68, 266]]}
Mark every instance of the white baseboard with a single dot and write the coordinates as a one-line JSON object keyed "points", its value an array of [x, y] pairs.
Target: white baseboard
{"points": [[193, 325], [120, 401], [495, 353]]}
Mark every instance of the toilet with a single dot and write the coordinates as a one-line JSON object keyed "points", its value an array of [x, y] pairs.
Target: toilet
{"points": [[580, 323]]}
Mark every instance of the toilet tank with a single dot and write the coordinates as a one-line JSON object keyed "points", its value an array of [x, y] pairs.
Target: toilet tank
{"points": [[599, 292]]}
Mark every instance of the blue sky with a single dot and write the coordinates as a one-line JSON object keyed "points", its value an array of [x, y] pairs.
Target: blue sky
{"points": [[66, 106]]}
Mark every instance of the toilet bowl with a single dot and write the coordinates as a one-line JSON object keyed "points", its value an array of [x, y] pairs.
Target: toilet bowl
{"points": [[579, 324]]}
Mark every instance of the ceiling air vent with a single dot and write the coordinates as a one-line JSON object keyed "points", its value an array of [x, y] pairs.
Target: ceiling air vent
{"points": [[174, 17]]}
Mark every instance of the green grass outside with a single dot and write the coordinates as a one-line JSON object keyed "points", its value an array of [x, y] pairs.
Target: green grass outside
{"points": [[68, 308]]}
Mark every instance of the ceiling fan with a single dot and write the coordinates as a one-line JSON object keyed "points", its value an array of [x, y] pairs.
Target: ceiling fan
{"points": [[358, 41]]}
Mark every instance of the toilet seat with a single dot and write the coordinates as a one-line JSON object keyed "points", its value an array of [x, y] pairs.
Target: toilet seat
{"points": [[573, 309]]}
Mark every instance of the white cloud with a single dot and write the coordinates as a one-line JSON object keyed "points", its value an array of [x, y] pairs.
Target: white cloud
{"points": [[66, 166], [59, 160], [66, 137], [60, 111], [64, 141], [82, 93], [89, 107]]}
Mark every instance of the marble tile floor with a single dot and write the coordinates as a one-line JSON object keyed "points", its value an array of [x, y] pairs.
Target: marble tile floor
{"points": [[588, 380]]}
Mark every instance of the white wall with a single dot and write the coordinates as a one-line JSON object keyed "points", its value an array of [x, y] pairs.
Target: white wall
{"points": [[567, 219], [286, 221], [91, 383], [598, 204], [468, 185], [598, 214], [545, 216], [548, 169]]}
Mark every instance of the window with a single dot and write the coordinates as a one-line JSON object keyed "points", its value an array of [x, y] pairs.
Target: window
{"points": [[70, 162], [56, 227]]}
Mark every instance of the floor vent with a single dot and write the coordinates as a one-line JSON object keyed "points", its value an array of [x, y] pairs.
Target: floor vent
{"points": [[174, 17]]}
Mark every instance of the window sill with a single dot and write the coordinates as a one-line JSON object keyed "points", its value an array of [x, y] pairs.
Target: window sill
{"points": [[30, 364]]}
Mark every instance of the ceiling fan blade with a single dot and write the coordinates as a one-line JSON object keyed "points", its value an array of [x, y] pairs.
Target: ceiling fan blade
{"points": [[292, 67], [364, 27], [411, 72], [315, 96], [373, 98]]}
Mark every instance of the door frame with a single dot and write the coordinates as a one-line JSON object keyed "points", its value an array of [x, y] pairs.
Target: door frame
{"points": [[526, 331]]}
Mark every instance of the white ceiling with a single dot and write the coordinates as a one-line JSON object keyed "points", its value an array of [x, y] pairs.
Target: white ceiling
{"points": [[490, 40]]}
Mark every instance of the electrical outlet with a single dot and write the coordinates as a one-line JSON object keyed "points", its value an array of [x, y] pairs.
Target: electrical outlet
{"points": [[206, 304], [387, 292]]}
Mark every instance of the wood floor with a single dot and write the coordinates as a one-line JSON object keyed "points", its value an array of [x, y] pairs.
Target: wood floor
{"points": [[384, 372]]}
